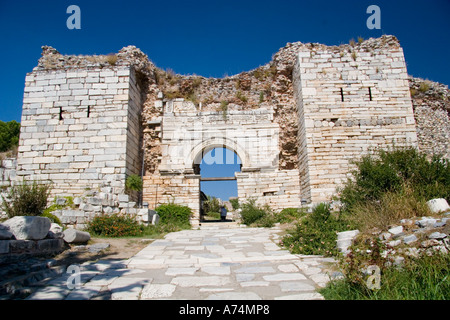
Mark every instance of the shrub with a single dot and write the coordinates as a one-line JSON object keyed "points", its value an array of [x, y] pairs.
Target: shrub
{"points": [[315, 233], [257, 216], [391, 171], [235, 203], [115, 225], [26, 199], [288, 215], [9, 135], [51, 216], [174, 214], [211, 205], [134, 182]]}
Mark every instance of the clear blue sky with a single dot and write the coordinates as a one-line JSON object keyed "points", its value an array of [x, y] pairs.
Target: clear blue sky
{"points": [[212, 38], [220, 162]]}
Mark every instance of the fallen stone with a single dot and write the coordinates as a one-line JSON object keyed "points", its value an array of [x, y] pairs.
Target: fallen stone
{"points": [[409, 239], [426, 222], [437, 236], [385, 236], [5, 234], [97, 247], [439, 224], [438, 205], [345, 239], [407, 222], [396, 230], [28, 227], [55, 232], [76, 236], [430, 243]]}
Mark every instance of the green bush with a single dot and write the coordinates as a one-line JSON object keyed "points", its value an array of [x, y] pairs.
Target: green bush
{"points": [[51, 216], [134, 182], [288, 215], [257, 216], [391, 171], [9, 135], [26, 199], [174, 214], [115, 225], [235, 203], [315, 233], [211, 205]]}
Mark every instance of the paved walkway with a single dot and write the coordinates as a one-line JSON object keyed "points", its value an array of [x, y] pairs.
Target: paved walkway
{"points": [[214, 262]]}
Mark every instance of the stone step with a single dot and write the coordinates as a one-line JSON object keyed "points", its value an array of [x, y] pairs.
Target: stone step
{"points": [[18, 283]]}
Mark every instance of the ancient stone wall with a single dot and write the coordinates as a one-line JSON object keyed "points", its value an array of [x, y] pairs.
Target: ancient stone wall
{"points": [[296, 123], [431, 103], [188, 133], [80, 127], [351, 99]]}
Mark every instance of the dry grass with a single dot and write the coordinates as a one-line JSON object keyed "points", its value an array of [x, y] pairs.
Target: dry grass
{"points": [[389, 210]]}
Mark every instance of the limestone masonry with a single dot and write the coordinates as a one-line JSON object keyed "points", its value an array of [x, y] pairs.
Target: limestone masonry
{"points": [[296, 123]]}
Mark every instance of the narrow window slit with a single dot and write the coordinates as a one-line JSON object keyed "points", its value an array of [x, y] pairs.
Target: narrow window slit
{"points": [[370, 93], [88, 111], [342, 95], [60, 113]]}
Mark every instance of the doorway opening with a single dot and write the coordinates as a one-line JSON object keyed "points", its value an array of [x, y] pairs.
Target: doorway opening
{"points": [[218, 183]]}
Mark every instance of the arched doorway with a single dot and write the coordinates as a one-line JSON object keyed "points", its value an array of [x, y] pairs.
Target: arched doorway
{"points": [[217, 181]]}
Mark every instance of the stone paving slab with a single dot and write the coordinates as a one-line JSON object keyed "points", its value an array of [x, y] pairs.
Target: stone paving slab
{"points": [[208, 263]]}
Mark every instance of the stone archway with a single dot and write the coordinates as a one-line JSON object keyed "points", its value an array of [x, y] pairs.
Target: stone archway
{"points": [[198, 152], [221, 157]]}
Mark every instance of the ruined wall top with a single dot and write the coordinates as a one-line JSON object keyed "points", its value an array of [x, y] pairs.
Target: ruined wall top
{"points": [[128, 56]]}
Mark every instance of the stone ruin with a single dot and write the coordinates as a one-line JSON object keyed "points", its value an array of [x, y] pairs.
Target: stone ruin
{"points": [[296, 123]]}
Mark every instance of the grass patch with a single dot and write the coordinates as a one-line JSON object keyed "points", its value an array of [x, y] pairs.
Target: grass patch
{"points": [[422, 278], [315, 233]]}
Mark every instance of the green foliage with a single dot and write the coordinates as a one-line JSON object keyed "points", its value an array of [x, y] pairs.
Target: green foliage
{"points": [[235, 203], [241, 97], [115, 225], [51, 216], [211, 205], [288, 215], [421, 278], [9, 135], [134, 182], [391, 170], [174, 214], [26, 199], [256, 216], [315, 233]]}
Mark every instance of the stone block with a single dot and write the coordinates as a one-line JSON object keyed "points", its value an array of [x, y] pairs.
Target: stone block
{"points": [[4, 246], [22, 246], [438, 205], [50, 245], [28, 227], [76, 236], [5, 233]]}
